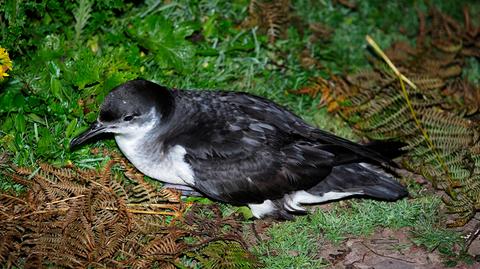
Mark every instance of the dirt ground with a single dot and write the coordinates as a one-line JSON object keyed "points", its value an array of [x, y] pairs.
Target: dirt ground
{"points": [[385, 249]]}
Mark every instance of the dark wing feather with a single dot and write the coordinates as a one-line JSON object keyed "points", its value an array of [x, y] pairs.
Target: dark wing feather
{"points": [[280, 117], [246, 149], [266, 173]]}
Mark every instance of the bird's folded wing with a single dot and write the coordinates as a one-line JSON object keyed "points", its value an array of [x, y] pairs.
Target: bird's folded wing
{"points": [[247, 149], [264, 173]]}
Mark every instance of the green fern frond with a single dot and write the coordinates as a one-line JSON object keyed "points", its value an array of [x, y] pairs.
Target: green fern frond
{"points": [[224, 255], [82, 14], [417, 95]]}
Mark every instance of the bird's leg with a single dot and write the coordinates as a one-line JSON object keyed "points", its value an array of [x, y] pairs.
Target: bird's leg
{"points": [[184, 190]]}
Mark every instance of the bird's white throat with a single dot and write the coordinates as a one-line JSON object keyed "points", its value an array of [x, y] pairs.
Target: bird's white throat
{"points": [[145, 152]]}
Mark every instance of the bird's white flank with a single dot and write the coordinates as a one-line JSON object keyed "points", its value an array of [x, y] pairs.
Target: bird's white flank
{"points": [[295, 199], [263, 209]]}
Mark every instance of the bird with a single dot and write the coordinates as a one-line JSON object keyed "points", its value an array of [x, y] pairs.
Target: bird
{"points": [[240, 149]]}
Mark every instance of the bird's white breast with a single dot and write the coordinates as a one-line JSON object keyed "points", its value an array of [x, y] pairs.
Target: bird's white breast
{"points": [[169, 166]]}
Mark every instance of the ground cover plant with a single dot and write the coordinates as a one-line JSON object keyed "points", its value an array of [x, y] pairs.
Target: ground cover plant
{"points": [[66, 56], [86, 218]]}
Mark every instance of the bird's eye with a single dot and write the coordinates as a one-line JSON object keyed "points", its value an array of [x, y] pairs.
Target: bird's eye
{"points": [[128, 118]]}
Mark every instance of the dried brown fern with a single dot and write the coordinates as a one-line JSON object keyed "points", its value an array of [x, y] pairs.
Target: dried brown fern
{"points": [[385, 115], [87, 218], [272, 17]]}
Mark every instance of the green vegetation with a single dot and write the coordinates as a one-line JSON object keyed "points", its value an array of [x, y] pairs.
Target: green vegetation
{"points": [[68, 56], [305, 236], [294, 244], [59, 81], [362, 219]]}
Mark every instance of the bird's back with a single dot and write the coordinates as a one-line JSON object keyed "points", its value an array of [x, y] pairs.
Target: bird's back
{"points": [[246, 149]]}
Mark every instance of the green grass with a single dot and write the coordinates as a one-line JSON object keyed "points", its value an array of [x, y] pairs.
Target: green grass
{"points": [[63, 67], [293, 244], [362, 218], [305, 236]]}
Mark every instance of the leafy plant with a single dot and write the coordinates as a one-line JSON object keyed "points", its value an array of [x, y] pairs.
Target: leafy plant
{"points": [[82, 13], [166, 42], [222, 254]]}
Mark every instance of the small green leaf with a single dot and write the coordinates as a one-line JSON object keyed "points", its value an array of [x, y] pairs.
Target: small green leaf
{"points": [[70, 128], [11, 11], [18, 102], [168, 44], [199, 200], [46, 143], [245, 211], [56, 88], [36, 118], [84, 69], [6, 101], [19, 141], [54, 69], [79, 130], [7, 124], [7, 142], [58, 108], [209, 27], [91, 117], [20, 123]]}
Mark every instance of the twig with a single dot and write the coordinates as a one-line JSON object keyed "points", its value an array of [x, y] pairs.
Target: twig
{"points": [[13, 198], [148, 212], [255, 233], [66, 199], [167, 206], [385, 256], [42, 212]]}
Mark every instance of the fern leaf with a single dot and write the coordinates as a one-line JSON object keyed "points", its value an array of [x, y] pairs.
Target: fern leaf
{"points": [[82, 14]]}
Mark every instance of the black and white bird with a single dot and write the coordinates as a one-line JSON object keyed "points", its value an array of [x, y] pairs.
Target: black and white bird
{"points": [[238, 148]]}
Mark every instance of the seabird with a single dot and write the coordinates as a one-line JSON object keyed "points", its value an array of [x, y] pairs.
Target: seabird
{"points": [[238, 148]]}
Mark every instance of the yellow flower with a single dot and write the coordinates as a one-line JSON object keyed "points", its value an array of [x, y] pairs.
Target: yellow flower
{"points": [[5, 63]]}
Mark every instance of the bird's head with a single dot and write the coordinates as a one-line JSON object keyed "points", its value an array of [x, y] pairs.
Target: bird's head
{"points": [[134, 107]]}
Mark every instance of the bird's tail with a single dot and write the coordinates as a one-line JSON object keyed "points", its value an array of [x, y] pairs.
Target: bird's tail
{"points": [[361, 179], [389, 149]]}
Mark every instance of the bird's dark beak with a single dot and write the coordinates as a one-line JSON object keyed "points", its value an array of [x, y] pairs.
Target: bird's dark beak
{"points": [[94, 130]]}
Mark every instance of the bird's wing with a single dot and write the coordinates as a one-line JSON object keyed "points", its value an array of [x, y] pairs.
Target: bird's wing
{"points": [[264, 172], [246, 149], [281, 118]]}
